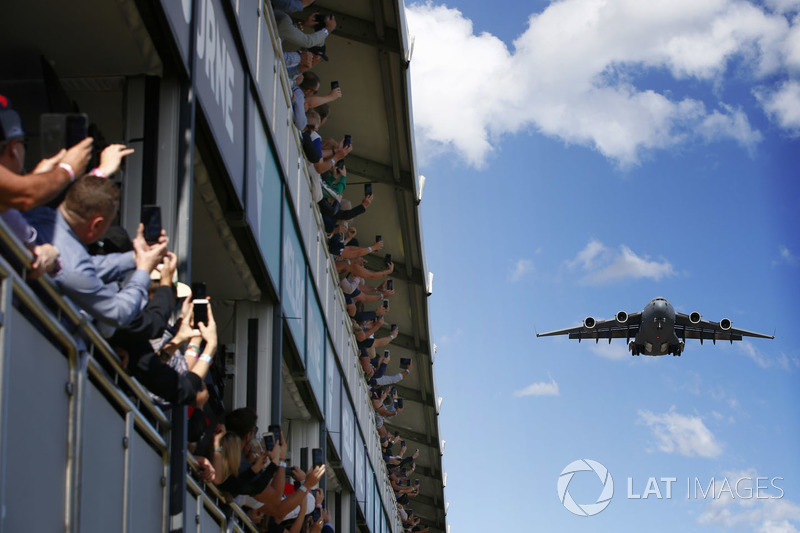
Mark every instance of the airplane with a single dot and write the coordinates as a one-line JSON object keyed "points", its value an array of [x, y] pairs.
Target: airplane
{"points": [[657, 330]]}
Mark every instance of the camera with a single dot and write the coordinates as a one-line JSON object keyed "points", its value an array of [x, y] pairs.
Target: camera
{"points": [[320, 21], [62, 130]]}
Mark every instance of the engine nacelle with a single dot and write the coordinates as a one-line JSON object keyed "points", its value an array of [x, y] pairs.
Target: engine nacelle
{"points": [[695, 317], [589, 322], [725, 324], [622, 317]]}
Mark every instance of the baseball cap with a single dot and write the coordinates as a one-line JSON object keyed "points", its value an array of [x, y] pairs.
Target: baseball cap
{"points": [[10, 121]]}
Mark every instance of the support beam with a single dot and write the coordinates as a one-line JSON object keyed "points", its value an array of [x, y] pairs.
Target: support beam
{"points": [[377, 172]]}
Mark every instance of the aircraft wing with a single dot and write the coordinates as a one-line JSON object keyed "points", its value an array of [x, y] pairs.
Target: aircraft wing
{"points": [[707, 330], [603, 329]]}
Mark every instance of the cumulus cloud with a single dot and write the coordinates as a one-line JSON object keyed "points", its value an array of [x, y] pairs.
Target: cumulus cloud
{"points": [[739, 509], [542, 388], [578, 72], [685, 435], [783, 104], [605, 265], [521, 268]]}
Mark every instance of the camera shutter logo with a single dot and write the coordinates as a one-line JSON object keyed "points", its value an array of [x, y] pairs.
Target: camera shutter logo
{"points": [[587, 509]]}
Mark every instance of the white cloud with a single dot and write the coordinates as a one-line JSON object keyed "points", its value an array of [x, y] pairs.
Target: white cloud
{"points": [[783, 104], [616, 350], [787, 257], [572, 74], [604, 265], [685, 435], [772, 513], [542, 388], [749, 349], [521, 268]]}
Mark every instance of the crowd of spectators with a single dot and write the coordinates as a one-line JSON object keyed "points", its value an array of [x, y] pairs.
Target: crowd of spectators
{"points": [[366, 304], [129, 289]]}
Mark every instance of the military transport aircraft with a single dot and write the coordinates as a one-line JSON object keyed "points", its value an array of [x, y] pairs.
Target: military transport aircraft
{"points": [[657, 330]]}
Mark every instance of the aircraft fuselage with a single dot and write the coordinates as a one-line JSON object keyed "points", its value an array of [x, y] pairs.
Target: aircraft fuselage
{"points": [[656, 334]]}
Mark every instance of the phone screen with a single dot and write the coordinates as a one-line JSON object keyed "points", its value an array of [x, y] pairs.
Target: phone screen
{"points": [[269, 442], [367, 189], [316, 457], [348, 140], [200, 303], [151, 218], [334, 85]]}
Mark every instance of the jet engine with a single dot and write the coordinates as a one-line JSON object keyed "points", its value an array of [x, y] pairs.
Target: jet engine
{"points": [[622, 317], [694, 318], [589, 322], [725, 324]]}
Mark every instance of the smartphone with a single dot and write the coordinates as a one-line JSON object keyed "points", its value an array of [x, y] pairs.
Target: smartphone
{"points": [[402, 444], [390, 284], [340, 164], [378, 238], [394, 327], [151, 218], [404, 362], [62, 130], [399, 403], [348, 140], [275, 429], [387, 259], [386, 304], [416, 482], [334, 85], [367, 189], [394, 391], [316, 457], [315, 514], [200, 303], [269, 442], [386, 353]]}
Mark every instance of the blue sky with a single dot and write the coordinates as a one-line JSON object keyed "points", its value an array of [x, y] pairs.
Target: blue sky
{"points": [[582, 157]]}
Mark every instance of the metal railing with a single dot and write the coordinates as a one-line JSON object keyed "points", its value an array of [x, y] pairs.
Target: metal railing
{"points": [[75, 426]]}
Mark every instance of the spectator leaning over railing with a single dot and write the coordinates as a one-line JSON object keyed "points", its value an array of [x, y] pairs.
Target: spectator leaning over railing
{"points": [[294, 37], [92, 282]]}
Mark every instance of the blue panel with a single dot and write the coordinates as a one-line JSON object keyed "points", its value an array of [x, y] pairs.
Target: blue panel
{"points": [[263, 209], [248, 18], [315, 346], [219, 81], [179, 16], [361, 495], [293, 294], [347, 446], [333, 393]]}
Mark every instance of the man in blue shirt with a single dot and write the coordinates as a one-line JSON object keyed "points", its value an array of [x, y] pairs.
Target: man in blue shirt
{"points": [[93, 282]]}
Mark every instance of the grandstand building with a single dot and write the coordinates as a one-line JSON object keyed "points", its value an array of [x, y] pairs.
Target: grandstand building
{"points": [[200, 90]]}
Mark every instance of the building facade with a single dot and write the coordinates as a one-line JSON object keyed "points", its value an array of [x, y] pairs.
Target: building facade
{"points": [[199, 88]]}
